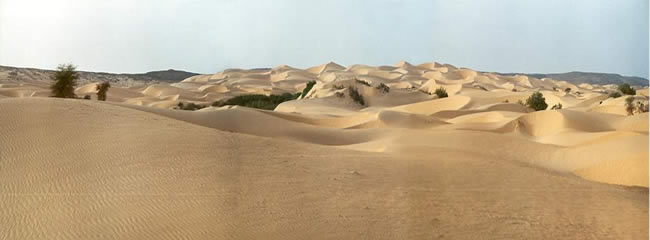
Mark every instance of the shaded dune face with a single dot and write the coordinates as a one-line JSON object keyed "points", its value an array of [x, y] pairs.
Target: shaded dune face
{"points": [[406, 165]]}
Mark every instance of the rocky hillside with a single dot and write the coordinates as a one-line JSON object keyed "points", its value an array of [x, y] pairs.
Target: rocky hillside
{"points": [[589, 77], [26, 75]]}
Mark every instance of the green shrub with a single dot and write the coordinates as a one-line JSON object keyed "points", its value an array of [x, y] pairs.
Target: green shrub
{"points": [[101, 91], [308, 88], [441, 92], [356, 96], [626, 89], [258, 100], [383, 87], [65, 80], [615, 95], [557, 106], [536, 101]]}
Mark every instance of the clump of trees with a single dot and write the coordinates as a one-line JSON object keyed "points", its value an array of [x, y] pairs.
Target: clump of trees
{"points": [[258, 100], [65, 80], [102, 89], [441, 92], [536, 101], [626, 89]]}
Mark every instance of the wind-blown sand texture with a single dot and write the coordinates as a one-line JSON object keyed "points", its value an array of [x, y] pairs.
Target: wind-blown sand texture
{"points": [[406, 166]]}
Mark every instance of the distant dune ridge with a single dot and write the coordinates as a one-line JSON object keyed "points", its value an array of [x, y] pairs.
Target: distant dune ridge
{"points": [[407, 164]]}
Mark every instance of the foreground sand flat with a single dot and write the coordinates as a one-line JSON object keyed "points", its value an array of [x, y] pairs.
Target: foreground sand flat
{"points": [[408, 165], [84, 169]]}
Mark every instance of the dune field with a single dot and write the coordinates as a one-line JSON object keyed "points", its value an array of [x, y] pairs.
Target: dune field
{"points": [[405, 165]]}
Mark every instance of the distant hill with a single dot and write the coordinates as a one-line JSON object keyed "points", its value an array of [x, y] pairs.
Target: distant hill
{"points": [[129, 79], [170, 75], [589, 77]]}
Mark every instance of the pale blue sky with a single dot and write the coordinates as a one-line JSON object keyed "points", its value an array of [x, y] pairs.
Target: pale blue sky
{"points": [[534, 36]]}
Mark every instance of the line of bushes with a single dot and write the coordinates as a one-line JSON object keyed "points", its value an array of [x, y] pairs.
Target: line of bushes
{"points": [[258, 100]]}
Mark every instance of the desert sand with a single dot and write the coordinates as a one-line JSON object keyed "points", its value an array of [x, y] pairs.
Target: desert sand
{"points": [[409, 165]]}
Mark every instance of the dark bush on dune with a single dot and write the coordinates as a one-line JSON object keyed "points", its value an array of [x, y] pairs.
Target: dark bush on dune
{"points": [[556, 106], [189, 106], [536, 101], [356, 96], [258, 100], [383, 88], [441, 92], [362, 82]]}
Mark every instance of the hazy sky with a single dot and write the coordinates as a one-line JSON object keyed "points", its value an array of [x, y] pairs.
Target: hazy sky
{"points": [[207, 36]]}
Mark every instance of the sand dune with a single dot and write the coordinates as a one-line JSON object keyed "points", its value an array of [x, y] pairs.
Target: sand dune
{"points": [[407, 165]]}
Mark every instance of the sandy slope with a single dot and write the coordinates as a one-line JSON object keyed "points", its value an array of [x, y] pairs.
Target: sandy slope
{"points": [[406, 165], [83, 169]]}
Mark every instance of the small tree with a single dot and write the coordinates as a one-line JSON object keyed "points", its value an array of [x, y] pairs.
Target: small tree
{"points": [[629, 105], [101, 90], [626, 89], [441, 92], [65, 80], [536, 101]]}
